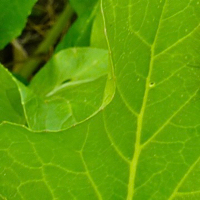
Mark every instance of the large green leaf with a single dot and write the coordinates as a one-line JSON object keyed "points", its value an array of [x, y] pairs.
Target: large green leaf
{"points": [[13, 17], [145, 144], [69, 89]]}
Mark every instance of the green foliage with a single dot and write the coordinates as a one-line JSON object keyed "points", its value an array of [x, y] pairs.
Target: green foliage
{"points": [[116, 124], [13, 18]]}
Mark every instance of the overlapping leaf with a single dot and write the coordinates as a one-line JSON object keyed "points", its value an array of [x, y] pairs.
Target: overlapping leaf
{"points": [[69, 89]]}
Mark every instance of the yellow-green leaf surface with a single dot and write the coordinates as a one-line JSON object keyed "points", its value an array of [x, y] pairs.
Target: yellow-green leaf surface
{"points": [[13, 15], [98, 39], [145, 145]]}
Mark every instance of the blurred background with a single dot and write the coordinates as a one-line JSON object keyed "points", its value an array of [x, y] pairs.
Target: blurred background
{"points": [[43, 17]]}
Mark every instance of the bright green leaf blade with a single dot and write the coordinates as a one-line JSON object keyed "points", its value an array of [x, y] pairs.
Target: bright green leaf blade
{"points": [[13, 17], [11, 109], [69, 89]]}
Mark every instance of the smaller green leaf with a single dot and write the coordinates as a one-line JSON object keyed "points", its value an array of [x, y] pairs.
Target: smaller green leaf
{"points": [[51, 163], [13, 17], [10, 103], [69, 89]]}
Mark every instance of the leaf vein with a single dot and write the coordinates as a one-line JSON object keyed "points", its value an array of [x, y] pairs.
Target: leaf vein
{"points": [[177, 42], [93, 184], [169, 120], [183, 179], [114, 144]]}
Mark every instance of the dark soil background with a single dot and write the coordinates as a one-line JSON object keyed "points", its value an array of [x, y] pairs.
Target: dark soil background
{"points": [[42, 18]]}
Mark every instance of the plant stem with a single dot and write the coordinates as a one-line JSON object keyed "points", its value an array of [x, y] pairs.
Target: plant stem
{"points": [[31, 65]]}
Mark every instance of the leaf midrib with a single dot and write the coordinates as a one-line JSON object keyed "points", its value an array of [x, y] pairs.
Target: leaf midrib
{"points": [[138, 146]]}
